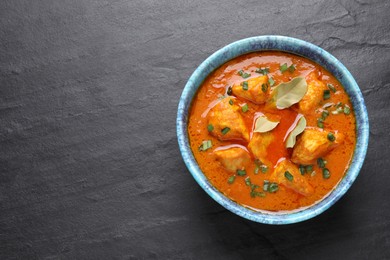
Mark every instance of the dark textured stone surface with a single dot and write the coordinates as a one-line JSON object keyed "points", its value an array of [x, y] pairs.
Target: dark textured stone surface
{"points": [[89, 162]]}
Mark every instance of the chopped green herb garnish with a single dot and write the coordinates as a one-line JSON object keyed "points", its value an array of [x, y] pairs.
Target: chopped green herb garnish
{"points": [[320, 122], [229, 91], [266, 186], [244, 85], [258, 162], [288, 175], [270, 186], [337, 111], [273, 187], [271, 81], [325, 173], [253, 191], [205, 145], [321, 163], [244, 108], [283, 67], [264, 87], [340, 109], [258, 165], [231, 102], [225, 130], [347, 110], [241, 172], [326, 94], [324, 114], [257, 194], [302, 169], [210, 127], [264, 71], [248, 181], [331, 87], [331, 137], [244, 74], [231, 179]]}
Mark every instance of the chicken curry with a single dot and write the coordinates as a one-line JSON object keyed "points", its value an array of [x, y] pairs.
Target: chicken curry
{"points": [[272, 130]]}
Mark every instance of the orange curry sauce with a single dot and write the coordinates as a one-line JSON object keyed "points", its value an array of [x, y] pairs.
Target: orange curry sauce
{"points": [[284, 199]]}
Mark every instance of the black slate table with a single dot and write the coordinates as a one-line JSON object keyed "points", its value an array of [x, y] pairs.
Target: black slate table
{"points": [[89, 162]]}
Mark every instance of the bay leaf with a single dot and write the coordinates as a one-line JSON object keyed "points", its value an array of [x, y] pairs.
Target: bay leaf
{"points": [[263, 124], [298, 129], [289, 93]]}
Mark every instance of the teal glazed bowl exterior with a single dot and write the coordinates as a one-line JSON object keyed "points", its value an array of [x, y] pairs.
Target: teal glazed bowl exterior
{"points": [[301, 48]]}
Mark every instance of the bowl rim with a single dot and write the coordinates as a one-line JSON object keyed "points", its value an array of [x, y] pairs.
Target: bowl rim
{"points": [[298, 47]]}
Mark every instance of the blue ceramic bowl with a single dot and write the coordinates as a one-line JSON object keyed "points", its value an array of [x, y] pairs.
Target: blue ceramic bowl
{"points": [[298, 47]]}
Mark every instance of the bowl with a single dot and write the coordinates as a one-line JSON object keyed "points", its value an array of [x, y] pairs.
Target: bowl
{"points": [[301, 48]]}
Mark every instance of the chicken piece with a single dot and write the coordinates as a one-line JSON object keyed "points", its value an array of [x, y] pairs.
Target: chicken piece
{"points": [[257, 89], [312, 144], [227, 121], [314, 94], [287, 174], [233, 159], [258, 145]]}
